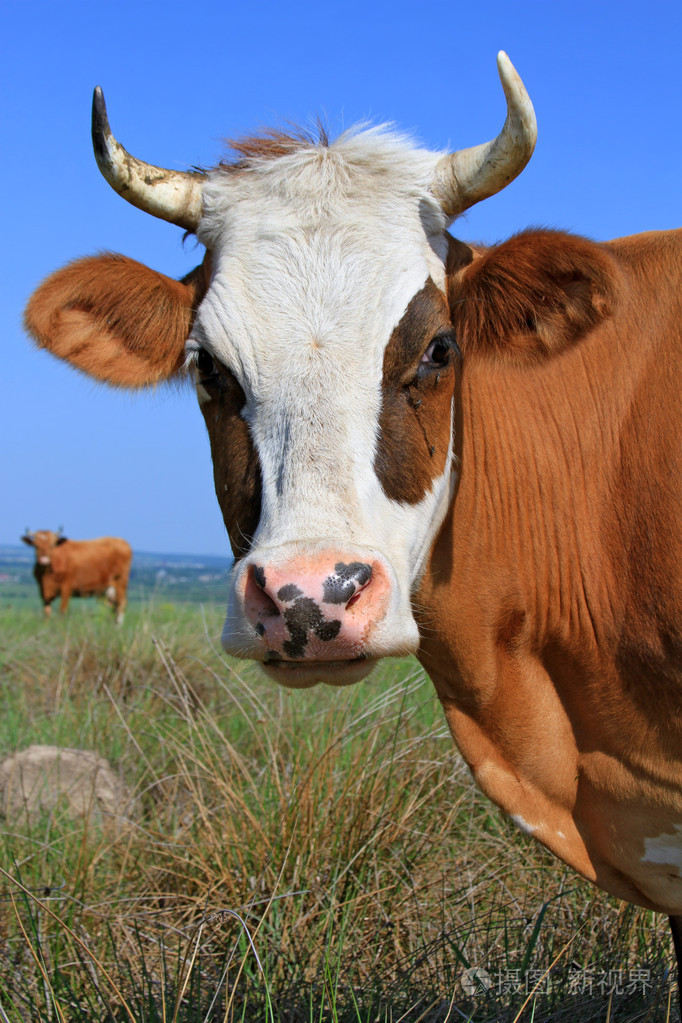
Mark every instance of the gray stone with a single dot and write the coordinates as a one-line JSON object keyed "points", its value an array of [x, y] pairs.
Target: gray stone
{"points": [[38, 778]]}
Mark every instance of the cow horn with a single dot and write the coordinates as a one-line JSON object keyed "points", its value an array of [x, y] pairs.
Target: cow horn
{"points": [[470, 175], [175, 196]]}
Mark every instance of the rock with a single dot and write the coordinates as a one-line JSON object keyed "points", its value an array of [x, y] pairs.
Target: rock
{"points": [[36, 779]]}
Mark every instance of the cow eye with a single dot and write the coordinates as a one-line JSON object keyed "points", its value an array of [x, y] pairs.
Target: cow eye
{"points": [[205, 364], [439, 352]]}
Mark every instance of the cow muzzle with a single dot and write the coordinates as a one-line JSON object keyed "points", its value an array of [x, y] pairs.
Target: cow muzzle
{"points": [[321, 617]]}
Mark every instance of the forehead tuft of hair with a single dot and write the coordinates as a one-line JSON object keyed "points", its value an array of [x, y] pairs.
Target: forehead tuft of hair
{"points": [[272, 143], [319, 179]]}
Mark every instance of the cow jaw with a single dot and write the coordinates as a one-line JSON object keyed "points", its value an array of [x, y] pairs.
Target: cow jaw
{"points": [[295, 335]]}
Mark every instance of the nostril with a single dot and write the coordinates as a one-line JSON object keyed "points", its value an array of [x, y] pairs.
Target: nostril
{"points": [[258, 602], [362, 584], [359, 590]]}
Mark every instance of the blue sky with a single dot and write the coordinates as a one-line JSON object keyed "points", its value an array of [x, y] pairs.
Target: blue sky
{"points": [[605, 79]]}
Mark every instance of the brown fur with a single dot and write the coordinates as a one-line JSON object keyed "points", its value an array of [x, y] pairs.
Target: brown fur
{"points": [[414, 425], [236, 470], [533, 295], [554, 590], [116, 319], [80, 568], [272, 143]]}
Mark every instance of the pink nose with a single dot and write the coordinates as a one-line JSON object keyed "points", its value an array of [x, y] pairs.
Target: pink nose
{"points": [[318, 609]]}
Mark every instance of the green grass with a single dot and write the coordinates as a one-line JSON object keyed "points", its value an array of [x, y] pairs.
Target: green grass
{"points": [[308, 856]]}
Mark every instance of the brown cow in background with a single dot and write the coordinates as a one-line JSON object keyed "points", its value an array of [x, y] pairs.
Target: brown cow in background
{"points": [[80, 568]]}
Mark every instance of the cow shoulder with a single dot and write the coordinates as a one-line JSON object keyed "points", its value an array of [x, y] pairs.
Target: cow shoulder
{"points": [[531, 296], [61, 556], [115, 319]]}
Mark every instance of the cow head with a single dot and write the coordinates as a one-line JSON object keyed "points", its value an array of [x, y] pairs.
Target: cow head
{"points": [[44, 541], [326, 366]]}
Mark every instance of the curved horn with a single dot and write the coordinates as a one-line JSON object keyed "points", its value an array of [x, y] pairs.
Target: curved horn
{"points": [[170, 195], [470, 175]]}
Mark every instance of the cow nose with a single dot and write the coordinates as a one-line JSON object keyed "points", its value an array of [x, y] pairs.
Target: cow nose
{"points": [[342, 586], [320, 609]]}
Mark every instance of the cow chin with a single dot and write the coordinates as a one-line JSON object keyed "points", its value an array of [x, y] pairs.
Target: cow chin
{"points": [[306, 674]]}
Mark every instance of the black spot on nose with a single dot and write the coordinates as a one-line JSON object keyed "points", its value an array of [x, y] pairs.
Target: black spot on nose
{"points": [[345, 581], [302, 617], [289, 592], [328, 630], [259, 576]]}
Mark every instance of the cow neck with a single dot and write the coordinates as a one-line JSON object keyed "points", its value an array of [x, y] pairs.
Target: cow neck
{"points": [[522, 541]]}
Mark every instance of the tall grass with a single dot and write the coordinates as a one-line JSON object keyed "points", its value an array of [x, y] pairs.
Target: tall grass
{"points": [[311, 856]]}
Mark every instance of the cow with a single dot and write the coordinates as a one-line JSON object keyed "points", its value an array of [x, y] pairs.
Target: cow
{"points": [[423, 446], [80, 568]]}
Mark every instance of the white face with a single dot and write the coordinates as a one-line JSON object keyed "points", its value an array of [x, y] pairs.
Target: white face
{"points": [[316, 258], [44, 541]]}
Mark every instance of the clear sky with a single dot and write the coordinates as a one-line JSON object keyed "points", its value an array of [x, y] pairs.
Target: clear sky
{"points": [[605, 79]]}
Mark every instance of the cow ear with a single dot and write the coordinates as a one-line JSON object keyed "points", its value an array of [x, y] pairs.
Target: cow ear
{"points": [[532, 296], [115, 319], [60, 540], [28, 540]]}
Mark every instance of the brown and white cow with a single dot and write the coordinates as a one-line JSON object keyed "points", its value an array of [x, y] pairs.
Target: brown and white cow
{"points": [[425, 447], [80, 568]]}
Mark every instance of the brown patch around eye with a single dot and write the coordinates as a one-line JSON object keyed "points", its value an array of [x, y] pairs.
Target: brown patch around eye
{"points": [[236, 469], [414, 423]]}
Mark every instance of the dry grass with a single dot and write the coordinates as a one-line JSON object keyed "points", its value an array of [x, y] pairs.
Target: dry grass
{"points": [[287, 856]]}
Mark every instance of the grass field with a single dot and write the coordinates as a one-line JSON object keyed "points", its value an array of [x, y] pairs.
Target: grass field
{"points": [[311, 856]]}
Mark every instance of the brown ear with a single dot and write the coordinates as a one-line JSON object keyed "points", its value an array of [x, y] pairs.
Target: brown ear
{"points": [[116, 319], [531, 296], [28, 540]]}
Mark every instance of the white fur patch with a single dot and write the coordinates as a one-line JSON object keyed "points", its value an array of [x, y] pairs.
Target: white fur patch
{"points": [[523, 824], [666, 849]]}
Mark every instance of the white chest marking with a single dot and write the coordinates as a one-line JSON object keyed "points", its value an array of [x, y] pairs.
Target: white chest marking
{"points": [[523, 824]]}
